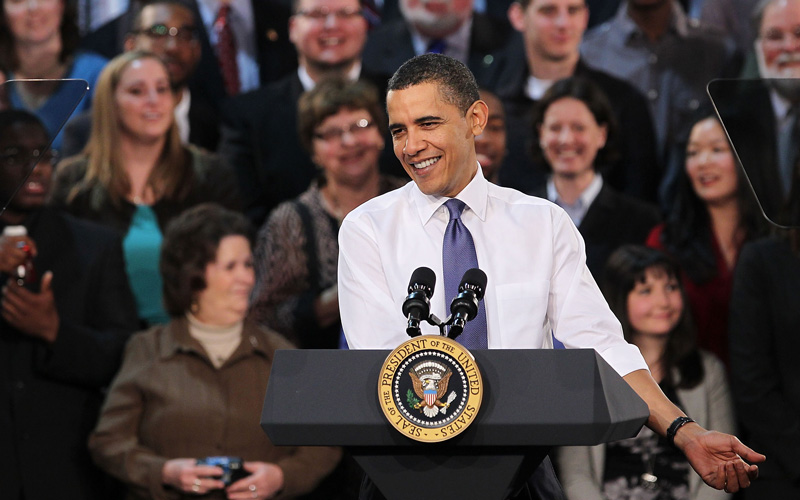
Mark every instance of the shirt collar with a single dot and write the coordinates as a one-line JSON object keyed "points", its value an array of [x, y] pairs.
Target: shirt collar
{"points": [[536, 87], [475, 196], [177, 339], [584, 200], [780, 105], [308, 83], [457, 43]]}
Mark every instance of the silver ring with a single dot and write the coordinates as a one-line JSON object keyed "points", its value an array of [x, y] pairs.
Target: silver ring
{"points": [[195, 488], [252, 487]]}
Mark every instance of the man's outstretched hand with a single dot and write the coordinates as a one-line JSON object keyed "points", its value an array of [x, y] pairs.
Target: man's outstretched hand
{"points": [[723, 461]]}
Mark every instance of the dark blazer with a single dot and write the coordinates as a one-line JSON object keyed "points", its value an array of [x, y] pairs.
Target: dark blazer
{"points": [[765, 374], [259, 139], [390, 45], [51, 394], [636, 173], [276, 54], [613, 220], [203, 128]]}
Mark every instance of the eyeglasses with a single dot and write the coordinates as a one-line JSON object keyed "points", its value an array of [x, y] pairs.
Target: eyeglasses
{"points": [[160, 33], [322, 14], [356, 130], [775, 35], [19, 5], [14, 157]]}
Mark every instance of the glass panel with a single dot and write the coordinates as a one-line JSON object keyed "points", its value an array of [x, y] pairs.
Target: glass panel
{"points": [[763, 127]]}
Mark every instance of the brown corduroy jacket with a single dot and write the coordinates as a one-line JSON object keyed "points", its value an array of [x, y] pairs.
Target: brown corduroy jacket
{"points": [[168, 401]]}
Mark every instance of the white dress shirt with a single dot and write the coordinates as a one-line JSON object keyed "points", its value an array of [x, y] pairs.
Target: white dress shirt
{"points": [[576, 211], [182, 115], [531, 252]]}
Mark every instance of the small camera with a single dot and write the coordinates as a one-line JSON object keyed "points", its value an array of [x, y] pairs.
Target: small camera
{"points": [[232, 468]]}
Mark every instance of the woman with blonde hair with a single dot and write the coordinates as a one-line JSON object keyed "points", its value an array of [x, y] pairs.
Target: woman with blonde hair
{"points": [[135, 174]]}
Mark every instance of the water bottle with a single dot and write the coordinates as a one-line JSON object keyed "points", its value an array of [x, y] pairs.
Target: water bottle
{"points": [[25, 273]]}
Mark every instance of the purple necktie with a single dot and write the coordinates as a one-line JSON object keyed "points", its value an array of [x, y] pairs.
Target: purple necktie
{"points": [[458, 256]]}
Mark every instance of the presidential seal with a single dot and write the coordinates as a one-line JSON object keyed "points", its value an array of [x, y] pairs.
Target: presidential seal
{"points": [[430, 388]]}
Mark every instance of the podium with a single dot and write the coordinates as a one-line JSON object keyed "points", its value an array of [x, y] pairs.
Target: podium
{"points": [[533, 400]]}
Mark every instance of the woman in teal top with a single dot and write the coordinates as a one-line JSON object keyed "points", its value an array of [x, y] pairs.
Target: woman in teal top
{"points": [[135, 174]]}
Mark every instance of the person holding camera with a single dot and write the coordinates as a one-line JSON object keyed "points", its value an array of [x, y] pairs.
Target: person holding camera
{"points": [[187, 400]]}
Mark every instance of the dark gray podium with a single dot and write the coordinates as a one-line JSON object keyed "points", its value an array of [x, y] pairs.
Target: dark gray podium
{"points": [[533, 400]]}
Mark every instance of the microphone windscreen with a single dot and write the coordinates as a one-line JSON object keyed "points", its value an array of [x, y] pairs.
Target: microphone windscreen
{"points": [[422, 276], [477, 279]]}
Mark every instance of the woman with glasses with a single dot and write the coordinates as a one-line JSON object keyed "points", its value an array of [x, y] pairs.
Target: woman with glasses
{"points": [[39, 40], [135, 174], [342, 126]]}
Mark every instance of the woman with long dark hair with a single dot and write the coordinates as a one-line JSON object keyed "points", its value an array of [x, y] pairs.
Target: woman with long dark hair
{"points": [[713, 216], [642, 287]]}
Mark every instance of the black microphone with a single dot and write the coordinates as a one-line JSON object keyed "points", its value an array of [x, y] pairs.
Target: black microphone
{"points": [[465, 306], [417, 305]]}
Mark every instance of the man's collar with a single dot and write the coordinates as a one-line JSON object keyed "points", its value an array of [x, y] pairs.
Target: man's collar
{"points": [[458, 43], [627, 28], [308, 83], [475, 195]]}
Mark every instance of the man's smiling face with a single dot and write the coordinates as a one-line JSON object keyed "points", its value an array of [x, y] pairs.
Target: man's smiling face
{"points": [[433, 139]]}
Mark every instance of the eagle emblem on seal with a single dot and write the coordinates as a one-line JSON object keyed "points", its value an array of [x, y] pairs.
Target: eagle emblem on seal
{"points": [[430, 380]]}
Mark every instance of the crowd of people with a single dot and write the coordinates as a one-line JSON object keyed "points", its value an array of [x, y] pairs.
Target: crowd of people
{"points": [[184, 224]]}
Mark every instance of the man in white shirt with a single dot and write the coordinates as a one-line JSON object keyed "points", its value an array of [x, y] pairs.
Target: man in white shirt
{"points": [[528, 247]]}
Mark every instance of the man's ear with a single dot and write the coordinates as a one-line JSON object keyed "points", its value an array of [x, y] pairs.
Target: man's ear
{"points": [[477, 116], [516, 16], [129, 44]]}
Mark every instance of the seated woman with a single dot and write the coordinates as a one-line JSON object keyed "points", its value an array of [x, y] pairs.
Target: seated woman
{"points": [[135, 175], [342, 125], [40, 40], [713, 216], [642, 287], [194, 388], [576, 129]]}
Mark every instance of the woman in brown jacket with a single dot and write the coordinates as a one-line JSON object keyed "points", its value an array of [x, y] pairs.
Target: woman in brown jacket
{"points": [[194, 388]]}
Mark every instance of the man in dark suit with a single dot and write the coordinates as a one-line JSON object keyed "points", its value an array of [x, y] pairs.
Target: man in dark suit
{"points": [[549, 51], [170, 30], [62, 331], [259, 131], [274, 54], [454, 31]]}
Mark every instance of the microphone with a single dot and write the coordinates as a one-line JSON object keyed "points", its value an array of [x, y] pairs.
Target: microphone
{"points": [[465, 306], [417, 305]]}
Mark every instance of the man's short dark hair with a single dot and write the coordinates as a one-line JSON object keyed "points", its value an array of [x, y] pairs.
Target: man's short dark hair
{"points": [[190, 243], [141, 4], [11, 117], [456, 82]]}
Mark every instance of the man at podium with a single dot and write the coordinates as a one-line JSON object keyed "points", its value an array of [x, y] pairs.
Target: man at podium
{"points": [[533, 255]]}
